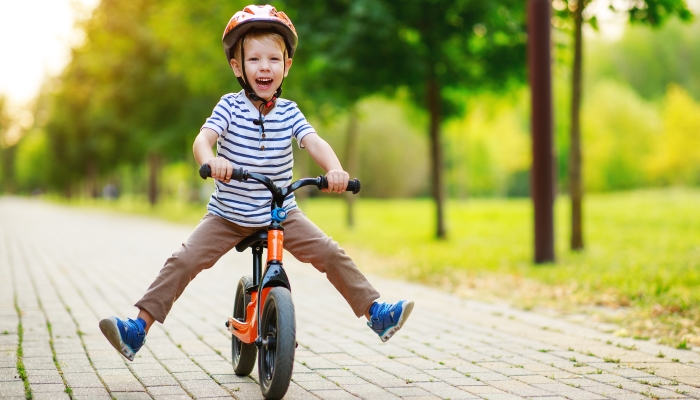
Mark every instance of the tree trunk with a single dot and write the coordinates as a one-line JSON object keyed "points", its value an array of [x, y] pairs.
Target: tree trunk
{"points": [[575, 180], [91, 180], [351, 161], [433, 94], [542, 175], [153, 173]]}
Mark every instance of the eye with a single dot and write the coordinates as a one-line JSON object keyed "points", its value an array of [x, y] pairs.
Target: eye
{"points": [[252, 59]]}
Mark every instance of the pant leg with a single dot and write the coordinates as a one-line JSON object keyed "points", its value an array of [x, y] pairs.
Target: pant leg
{"points": [[307, 243], [213, 237]]}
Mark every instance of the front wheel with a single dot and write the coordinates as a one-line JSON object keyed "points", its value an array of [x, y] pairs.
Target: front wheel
{"points": [[242, 354], [276, 358]]}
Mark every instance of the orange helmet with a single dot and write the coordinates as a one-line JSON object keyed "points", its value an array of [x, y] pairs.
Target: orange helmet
{"points": [[265, 17]]}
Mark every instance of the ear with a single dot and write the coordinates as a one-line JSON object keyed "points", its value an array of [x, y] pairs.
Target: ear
{"points": [[235, 67], [287, 66]]}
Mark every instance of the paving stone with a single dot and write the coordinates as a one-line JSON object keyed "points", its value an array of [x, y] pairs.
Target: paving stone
{"points": [[130, 395], [368, 392], [517, 387], [34, 379], [316, 363], [48, 388], [203, 388], [347, 380], [90, 393], [189, 376], [50, 395], [167, 380], [489, 376], [122, 384], [385, 381], [505, 396], [444, 390], [317, 384], [244, 390], [83, 380], [12, 389], [166, 391], [409, 391], [333, 394], [568, 391]]}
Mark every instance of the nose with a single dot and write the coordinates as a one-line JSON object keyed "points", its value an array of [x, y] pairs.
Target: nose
{"points": [[265, 65]]}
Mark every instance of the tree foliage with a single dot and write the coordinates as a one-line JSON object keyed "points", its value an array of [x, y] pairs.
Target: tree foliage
{"points": [[669, 55], [437, 49], [115, 102]]}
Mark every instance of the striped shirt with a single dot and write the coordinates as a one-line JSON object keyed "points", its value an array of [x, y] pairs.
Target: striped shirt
{"points": [[241, 142]]}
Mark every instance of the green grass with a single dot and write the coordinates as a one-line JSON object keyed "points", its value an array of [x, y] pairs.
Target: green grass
{"points": [[20, 354], [642, 251]]}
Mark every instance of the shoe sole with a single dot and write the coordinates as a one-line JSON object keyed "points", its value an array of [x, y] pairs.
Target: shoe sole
{"points": [[109, 328], [407, 308]]}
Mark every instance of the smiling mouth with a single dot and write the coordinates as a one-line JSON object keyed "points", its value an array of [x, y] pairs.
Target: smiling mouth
{"points": [[264, 83]]}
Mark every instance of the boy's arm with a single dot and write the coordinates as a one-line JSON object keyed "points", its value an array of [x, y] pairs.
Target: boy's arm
{"points": [[221, 168], [325, 157]]}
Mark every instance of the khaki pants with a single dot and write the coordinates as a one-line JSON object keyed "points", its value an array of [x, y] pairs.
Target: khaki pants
{"points": [[215, 236]]}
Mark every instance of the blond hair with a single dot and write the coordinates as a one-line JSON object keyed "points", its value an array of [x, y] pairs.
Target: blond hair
{"points": [[268, 37]]}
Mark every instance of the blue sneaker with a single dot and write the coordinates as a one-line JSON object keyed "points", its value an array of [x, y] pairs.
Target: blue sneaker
{"points": [[386, 319], [126, 336]]}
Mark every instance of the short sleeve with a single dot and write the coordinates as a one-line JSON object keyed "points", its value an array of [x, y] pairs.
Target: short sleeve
{"points": [[300, 126], [220, 117]]}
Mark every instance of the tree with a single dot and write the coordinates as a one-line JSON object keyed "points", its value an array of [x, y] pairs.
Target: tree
{"points": [[336, 67], [115, 103], [651, 12], [436, 49]]}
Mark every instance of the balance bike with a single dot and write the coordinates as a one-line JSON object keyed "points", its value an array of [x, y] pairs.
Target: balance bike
{"points": [[270, 332]]}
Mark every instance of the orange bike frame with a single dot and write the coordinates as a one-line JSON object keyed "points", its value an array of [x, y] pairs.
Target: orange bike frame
{"points": [[247, 331]]}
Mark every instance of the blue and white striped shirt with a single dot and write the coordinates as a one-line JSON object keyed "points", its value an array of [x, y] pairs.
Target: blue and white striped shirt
{"points": [[241, 142]]}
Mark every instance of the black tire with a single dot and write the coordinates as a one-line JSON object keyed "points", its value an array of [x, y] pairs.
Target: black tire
{"points": [[276, 358], [242, 354]]}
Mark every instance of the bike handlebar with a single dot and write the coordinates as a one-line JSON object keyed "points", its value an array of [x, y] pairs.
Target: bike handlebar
{"points": [[239, 174]]}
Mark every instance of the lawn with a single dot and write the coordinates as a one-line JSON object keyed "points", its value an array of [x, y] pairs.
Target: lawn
{"points": [[640, 268]]}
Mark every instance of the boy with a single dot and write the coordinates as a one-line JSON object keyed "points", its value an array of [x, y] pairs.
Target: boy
{"points": [[253, 129]]}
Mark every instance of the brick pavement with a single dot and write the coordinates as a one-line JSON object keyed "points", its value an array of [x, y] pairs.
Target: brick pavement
{"points": [[63, 269]]}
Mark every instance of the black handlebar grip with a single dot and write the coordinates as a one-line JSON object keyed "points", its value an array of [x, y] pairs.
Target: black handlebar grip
{"points": [[353, 185], [205, 171], [238, 174]]}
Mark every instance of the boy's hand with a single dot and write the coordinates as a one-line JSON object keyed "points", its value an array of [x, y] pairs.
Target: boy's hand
{"points": [[221, 169], [337, 180]]}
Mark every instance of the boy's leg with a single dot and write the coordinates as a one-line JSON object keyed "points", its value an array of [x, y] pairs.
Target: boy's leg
{"points": [[213, 237], [308, 243]]}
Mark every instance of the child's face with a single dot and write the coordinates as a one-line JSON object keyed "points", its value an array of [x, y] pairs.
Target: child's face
{"points": [[265, 67]]}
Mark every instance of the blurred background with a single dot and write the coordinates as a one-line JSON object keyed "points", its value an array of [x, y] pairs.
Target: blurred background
{"points": [[100, 102]]}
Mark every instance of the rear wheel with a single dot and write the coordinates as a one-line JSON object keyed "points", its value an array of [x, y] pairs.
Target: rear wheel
{"points": [[242, 354], [276, 357]]}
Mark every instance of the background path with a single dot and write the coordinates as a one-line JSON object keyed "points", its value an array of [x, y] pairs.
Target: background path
{"points": [[63, 269]]}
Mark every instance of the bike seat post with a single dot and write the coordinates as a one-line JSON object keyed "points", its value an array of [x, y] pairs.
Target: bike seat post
{"points": [[257, 263]]}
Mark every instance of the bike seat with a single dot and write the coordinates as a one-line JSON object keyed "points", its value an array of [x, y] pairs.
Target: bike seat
{"points": [[250, 241]]}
